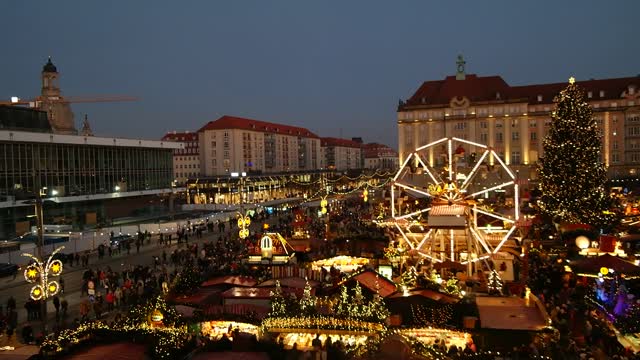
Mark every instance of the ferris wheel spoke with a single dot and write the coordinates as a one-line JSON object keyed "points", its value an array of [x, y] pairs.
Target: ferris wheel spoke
{"points": [[480, 240], [490, 189], [426, 169], [424, 239], [406, 239], [432, 144], [506, 237], [470, 143], [408, 188], [411, 214], [403, 167], [494, 215], [467, 181], [504, 166]]}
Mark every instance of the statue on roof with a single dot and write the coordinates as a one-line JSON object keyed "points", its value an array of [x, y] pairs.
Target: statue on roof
{"points": [[460, 74], [86, 128]]}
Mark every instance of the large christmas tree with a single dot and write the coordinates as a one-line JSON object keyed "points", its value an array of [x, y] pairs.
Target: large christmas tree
{"points": [[572, 175]]}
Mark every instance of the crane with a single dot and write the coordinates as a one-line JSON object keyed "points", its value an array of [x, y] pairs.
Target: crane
{"points": [[37, 102]]}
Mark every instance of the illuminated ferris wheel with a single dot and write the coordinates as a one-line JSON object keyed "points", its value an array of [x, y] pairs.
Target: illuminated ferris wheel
{"points": [[455, 200]]}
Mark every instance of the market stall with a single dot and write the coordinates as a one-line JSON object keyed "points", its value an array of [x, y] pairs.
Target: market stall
{"points": [[429, 335], [343, 263], [214, 330]]}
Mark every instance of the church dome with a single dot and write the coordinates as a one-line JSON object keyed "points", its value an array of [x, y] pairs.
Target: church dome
{"points": [[49, 67]]}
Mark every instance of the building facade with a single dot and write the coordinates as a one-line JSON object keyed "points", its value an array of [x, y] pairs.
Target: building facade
{"points": [[186, 160], [380, 157], [514, 120], [78, 177], [234, 144], [341, 154]]}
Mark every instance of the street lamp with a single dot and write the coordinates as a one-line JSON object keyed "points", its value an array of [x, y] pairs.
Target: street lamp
{"points": [[38, 273], [243, 219]]}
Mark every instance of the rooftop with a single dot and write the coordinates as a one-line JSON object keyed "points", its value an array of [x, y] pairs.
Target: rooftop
{"points": [[487, 89], [33, 137], [329, 141], [233, 122]]}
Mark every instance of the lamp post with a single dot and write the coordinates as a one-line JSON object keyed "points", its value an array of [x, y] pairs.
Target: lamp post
{"points": [[38, 273], [243, 219]]}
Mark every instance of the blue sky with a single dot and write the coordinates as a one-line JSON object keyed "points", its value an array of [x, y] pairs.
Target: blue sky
{"points": [[337, 68]]}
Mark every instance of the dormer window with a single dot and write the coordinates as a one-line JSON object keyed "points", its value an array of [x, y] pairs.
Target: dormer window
{"points": [[423, 100], [590, 94], [539, 98], [497, 96], [632, 89], [601, 93]]}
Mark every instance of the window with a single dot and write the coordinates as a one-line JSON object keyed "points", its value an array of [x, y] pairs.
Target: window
{"points": [[601, 93], [515, 136], [460, 126], [615, 145], [483, 137], [615, 158], [590, 94], [499, 137], [534, 136], [213, 144], [633, 131], [539, 98], [214, 163], [515, 157], [483, 124], [533, 123]]}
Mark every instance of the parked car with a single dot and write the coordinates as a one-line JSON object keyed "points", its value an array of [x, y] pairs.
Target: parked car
{"points": [[8, 269]]}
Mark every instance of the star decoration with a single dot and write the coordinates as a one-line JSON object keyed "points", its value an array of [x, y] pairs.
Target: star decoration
{"points": [[572, 80], [32, 273], [55, 268]]}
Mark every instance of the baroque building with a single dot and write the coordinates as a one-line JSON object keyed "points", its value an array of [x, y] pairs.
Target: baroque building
{"points": [[514, 120]]}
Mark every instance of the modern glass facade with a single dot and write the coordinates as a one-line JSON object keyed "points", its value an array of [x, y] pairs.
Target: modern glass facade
{"points": [[79, 169]]}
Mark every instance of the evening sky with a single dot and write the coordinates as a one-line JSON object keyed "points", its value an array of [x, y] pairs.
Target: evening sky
{"points": [[337, 68]]}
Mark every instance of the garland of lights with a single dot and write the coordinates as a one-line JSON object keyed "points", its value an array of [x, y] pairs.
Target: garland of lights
{"points": [[321, 322], [165, 342]]}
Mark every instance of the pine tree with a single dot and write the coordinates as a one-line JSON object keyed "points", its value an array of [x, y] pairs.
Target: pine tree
{"points": [[278, 302], [377, 308], [356, 307], [342, 309], [187, 281], [308, 301], [572, 175], [494, 284]]}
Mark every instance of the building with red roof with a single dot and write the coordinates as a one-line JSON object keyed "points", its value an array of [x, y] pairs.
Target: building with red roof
{"points": [[234, 144], [514, 120], [186, 161], [341, 154], [379, 156]]}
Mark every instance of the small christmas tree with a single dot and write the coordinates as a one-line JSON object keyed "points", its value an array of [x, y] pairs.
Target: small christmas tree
{"points": [[356, 307], [187, 280], [308, 301], [342, 308], [494, 283], [377, 308], [409, 277], [278, 302]]}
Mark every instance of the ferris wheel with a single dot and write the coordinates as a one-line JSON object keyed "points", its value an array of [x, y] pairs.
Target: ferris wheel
{"points": [[455, 200]]}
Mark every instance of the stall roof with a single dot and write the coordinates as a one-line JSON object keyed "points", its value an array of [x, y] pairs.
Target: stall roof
{"points": [[428, 294], [231, 280], [199, 297], [259, 292], [368, 279], [509, 313], [593, 265], [294, 282]]}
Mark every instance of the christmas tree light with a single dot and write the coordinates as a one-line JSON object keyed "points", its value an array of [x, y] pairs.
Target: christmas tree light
{"points": [[572, 175]]}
